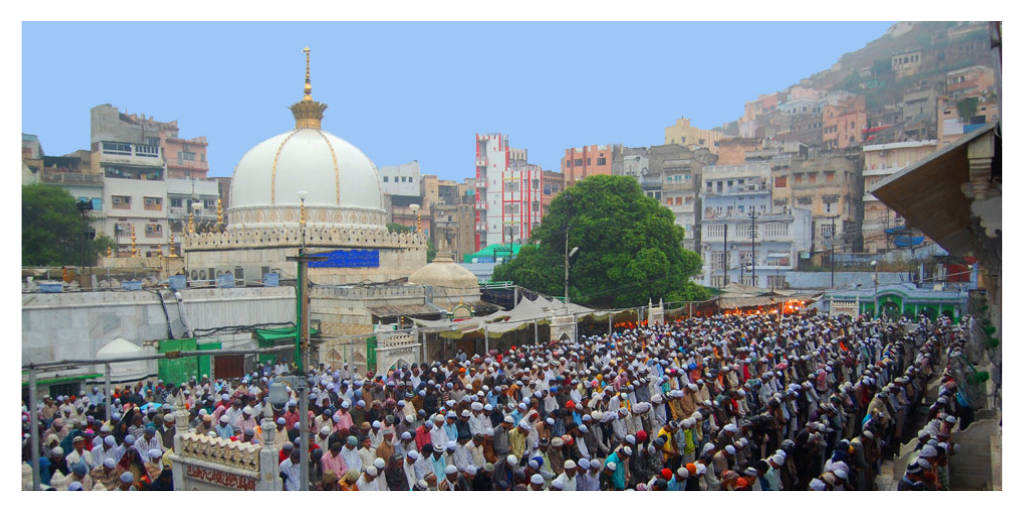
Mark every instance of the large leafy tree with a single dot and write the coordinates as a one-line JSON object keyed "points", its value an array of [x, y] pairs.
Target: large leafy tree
{"points": [[630, 249], [51, 229]]}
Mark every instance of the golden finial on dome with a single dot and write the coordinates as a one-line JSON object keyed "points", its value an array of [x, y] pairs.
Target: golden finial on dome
{"points": [[308, 113], [309, 88]]}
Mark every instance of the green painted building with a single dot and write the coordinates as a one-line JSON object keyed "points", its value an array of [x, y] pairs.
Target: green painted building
{"points": [[897, 299]]}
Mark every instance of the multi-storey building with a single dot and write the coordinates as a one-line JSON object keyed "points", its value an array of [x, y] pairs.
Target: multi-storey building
{"points": [[829, 186], [193, 200], [969, 81], [684, 134], [679, 170], [843, 124], [737, 203], [554, 183], [453, 217], [580, 163], [72, 173], [186, 158], [136, 156], [907, 63], [880, 161], [954, 123], [508, 192], [402, 186]]}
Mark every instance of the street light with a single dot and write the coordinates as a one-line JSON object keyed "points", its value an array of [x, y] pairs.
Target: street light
{"points": [[416, 208]]}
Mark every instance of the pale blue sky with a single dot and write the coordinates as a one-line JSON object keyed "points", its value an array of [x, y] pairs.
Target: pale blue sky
{"points": [[418, 91]]}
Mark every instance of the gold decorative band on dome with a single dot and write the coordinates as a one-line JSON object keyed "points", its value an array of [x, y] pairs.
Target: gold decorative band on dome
{"points": [[273, 170], [337, 175]]}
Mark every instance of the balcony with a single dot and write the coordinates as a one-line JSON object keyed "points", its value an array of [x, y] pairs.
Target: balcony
{"points": [[481, 162], [130, 154], [71, 178], [481, 183]]}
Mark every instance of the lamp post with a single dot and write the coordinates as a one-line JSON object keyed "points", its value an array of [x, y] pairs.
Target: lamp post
{"points": [[416, 208], [753, 250], [301, 355]]}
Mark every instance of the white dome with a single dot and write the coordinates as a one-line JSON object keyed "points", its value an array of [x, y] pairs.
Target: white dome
{"points": [[127, 371], [338, 178]]}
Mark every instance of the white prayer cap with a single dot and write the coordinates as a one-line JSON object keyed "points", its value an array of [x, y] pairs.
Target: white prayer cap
{"points": [[570, 464], [557, 484], [539, 480], [372, 471], [413, 454], [683, 473]]}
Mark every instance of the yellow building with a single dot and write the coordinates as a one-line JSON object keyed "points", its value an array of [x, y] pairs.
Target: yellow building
{"points": [[684, 134]]}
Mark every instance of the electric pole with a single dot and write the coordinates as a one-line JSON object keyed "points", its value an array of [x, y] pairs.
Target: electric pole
{"points": [[725, 251], [832, 255], [753, 250]]}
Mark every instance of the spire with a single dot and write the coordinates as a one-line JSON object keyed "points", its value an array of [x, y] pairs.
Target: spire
{"points": [[308, 113]]}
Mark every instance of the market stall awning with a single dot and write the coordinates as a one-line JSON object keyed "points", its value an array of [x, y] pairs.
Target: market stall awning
{"points": [[270, 337]]}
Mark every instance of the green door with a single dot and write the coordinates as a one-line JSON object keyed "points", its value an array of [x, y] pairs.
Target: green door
{"points": [[204, 361], [177, 370]]}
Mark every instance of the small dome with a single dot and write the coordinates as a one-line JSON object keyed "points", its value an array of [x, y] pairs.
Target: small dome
{"points": [[444, 272], [127, 371]]}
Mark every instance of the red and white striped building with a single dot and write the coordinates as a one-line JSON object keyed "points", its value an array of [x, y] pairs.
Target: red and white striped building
{"points": [[508, 192]]}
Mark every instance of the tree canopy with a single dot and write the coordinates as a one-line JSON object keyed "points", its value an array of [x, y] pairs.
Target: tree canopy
{"points": [[51, 229], [630, 249]]}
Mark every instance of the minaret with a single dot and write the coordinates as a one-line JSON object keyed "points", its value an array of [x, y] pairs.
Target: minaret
{"points": [[308, 113]]}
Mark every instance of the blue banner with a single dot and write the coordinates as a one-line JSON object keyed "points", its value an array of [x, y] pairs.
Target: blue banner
{"points": [[348, 259]]}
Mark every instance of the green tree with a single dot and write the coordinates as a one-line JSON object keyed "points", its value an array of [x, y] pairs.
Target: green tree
{"points": [[394, 227], [51, 229], [630, 249]]}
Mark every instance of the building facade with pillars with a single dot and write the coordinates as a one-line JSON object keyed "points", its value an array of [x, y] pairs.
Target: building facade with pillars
{"points": [[880, 162]]}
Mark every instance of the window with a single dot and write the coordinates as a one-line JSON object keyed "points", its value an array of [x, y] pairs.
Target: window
{"points": [[117, 148], [798, 179], [121, 202], [812, 177], [385, 179], [175, 202], [579, 162], [780, 182], [602, 161], [776, 281], [152, 141], [97, 203], [588, 161], [828, 207], [830, 176], [154, 203], [153, 230]]}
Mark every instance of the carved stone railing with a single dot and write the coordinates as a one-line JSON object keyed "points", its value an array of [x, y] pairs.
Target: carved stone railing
{"points": [[233, 454], [315, 237]]}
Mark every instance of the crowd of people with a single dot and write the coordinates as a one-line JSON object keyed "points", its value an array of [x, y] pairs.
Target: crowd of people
{"points": [[730, 402]]}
